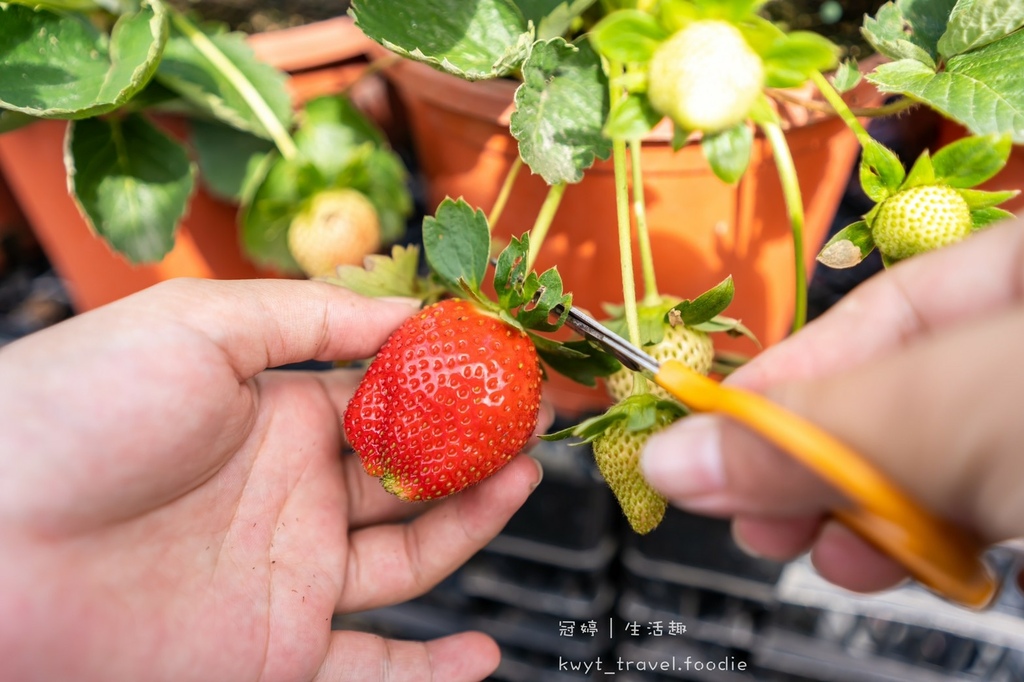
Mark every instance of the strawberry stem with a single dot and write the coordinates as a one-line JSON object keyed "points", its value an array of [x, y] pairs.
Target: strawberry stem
{"points": [[544, 219], [623, 218], [238, 80], [841, 108], [505, 191], [651, 295], [795, 210]]}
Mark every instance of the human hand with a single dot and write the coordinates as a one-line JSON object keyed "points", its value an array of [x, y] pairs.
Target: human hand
{"points": [[916, 369], [168, 510]]}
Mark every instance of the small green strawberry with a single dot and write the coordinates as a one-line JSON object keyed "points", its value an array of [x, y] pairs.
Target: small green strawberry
{"points": [[617, 438], [932, 205], [670, 328], [339, 227], [705, 77], [452, 396], [920, 219], [685, 344]]}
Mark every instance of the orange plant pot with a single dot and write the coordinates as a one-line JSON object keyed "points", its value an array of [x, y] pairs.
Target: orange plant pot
{"points": [[322, 58], [702, 229]]}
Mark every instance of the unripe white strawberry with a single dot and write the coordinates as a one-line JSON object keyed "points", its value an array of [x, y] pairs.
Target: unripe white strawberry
{"points": [[705, 77], [689, 346], [920, 219], [340, 227], [617, 454]]}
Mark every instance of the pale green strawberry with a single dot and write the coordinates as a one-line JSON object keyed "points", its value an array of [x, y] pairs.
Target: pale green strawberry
{"points": [[617, 438], [920, 219], [617, 453], [705, 77], [339, 227]]}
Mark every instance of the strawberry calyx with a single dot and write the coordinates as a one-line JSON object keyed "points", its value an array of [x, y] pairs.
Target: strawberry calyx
{"points": [[639, 412]]}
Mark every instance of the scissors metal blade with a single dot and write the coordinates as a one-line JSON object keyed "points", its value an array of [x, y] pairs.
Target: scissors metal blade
{"points": [[623, 351]]}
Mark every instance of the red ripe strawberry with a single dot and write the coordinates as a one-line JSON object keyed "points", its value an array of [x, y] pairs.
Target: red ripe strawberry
{"points": [[451, 397]]}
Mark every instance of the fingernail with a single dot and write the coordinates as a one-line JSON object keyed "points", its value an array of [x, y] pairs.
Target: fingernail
{"points": [[540, 474], [686, 461], [741, 543]]}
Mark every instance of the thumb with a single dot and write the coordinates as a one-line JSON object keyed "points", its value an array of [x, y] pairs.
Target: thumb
{"points": [[939, 416]]}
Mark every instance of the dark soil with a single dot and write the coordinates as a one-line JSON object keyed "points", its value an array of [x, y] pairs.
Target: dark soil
{"points": [[253, 16]]}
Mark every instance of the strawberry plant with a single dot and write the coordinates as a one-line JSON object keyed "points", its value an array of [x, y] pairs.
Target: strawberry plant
{"points": [[134, 63], [595, 78]]}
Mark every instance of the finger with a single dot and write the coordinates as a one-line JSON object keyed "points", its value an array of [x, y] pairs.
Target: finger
{"points": [[846, 560], [268, 323], [710, 465], [362, 657], [368, 503], [895, 307], [390, 564], [774, 538]]}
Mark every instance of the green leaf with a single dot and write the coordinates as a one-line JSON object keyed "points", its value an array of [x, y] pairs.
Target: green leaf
{"points": [[544, 294], [881, 172], [553, 18], [977, 198], [971, 161], [510, 273], [581, 361], [674, 15], [386, 186], [922, 172], [471, 40], [457, 244], [728, 152], [983, 217], [790, 61], [974, 24], [628, 36], [332, 135], [188, 72], [847, 76], [848, 247], [705, 307], [227, 157], [909, 29], [632, 118], [132, 183], [983, 89], [726, 325], [12, 120], [61, 66], [275, 202], [560, 111], [394, 275]]}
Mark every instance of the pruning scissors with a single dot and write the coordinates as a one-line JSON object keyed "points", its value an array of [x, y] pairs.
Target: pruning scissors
{"points": [[938, 554]]}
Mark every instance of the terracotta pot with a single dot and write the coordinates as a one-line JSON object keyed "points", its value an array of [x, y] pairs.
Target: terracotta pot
{"points": [[322, 58], [702, 229]]}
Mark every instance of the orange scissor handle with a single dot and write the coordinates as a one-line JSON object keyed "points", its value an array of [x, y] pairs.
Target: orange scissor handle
{"points": [[938, 554]]}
